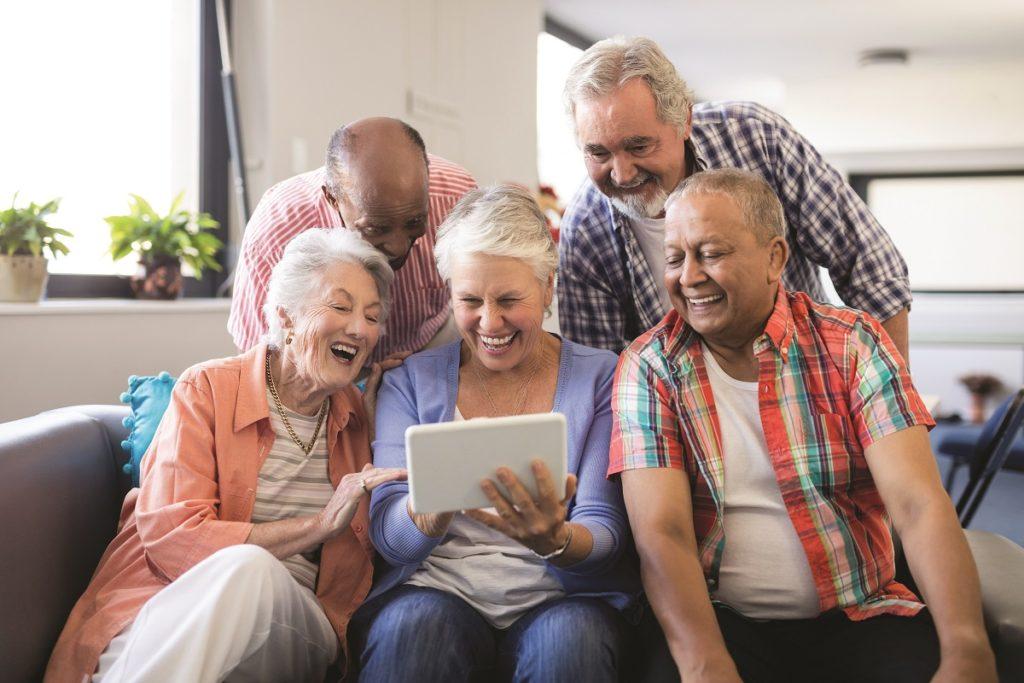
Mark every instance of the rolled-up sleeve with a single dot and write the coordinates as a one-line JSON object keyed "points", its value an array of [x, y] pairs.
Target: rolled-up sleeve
{"points": [[834, 228]]}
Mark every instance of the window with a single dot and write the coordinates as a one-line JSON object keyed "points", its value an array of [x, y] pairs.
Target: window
{"points": [[559, 162], [957, 232], [103, 102]]}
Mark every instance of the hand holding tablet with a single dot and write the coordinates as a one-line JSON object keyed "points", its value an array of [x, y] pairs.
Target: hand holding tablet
{"points": [[449, 460]]}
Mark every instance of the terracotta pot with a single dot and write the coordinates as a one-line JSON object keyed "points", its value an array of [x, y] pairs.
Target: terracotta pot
{"points": [[977, 408], [22, 278], [160, 279]]}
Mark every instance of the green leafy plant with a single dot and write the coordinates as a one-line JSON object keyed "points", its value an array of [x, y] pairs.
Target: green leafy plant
{"points": [[180, 235], [27, 232]]}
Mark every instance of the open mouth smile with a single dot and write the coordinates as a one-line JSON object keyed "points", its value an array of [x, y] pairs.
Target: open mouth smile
{"points": [[497, 344], [344, 352]]}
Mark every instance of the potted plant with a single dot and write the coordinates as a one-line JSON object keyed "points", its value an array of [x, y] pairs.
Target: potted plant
{"points": [[162, 243], [25, 236]]}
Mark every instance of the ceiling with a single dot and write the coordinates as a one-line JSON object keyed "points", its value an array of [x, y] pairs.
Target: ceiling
{"points": [[718, 43]]}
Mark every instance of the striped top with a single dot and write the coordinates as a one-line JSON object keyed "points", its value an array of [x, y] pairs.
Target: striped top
{"points": [[419, 295], [292, 484], [830, 383]]}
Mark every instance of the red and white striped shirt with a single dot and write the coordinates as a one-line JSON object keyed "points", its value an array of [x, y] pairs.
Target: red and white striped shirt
{"points": [[419, 296]]}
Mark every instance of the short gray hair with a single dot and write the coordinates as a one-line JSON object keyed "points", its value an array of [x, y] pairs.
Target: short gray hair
{"points": [[760, 206], [304, 261], [502, 220], [608, 64]]}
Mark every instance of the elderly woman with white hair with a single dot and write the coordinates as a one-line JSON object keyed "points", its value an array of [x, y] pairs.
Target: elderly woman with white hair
{"points": [[538, 590], [246, 549]]}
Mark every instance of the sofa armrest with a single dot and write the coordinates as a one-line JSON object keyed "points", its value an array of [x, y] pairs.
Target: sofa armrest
{"points": [[59, 500], [1001, 568]]}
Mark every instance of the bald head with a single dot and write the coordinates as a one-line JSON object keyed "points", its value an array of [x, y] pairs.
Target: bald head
{"points": [[377, 178], [374, 149]]}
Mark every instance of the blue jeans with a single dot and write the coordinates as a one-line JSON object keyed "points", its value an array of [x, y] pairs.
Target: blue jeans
{"points": [[422, 634]]}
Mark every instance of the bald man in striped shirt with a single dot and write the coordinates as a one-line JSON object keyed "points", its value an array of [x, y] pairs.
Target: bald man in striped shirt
{"points": [[380, 181]]}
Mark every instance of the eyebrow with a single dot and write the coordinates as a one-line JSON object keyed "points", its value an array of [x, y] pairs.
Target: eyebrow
{"points": [[637, 140], [592, 149]]}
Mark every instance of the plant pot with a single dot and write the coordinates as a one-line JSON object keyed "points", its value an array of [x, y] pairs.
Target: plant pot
{"points": [[160, 279], [22, 278]]}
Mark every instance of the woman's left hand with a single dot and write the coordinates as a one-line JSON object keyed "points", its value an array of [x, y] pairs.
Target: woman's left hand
{"points": [[538, 523]]}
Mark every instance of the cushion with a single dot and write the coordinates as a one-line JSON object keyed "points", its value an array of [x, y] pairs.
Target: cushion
{"points": [[148, 398]]}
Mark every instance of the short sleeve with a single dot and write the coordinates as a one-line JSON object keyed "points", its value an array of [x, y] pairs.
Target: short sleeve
{"points": [[883, 399], [645, 426]]}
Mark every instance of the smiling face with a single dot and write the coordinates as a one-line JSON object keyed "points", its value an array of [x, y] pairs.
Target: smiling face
{"points": [[390, 214], [633, 157], [335, 332], [720, 277], [498, 305]]}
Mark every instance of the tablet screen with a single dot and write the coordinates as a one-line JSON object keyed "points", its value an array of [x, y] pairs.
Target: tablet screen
{"points": [[448, 460]]}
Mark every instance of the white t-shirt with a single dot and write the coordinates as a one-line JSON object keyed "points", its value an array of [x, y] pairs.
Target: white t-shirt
{"points": [[764, 572], [650, 233]]}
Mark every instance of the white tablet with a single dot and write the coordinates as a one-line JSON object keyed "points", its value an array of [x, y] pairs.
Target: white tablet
{"points": [[448, 460]]}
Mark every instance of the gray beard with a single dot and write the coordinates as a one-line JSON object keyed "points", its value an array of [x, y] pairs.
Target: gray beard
{"points": [[635, 206]]}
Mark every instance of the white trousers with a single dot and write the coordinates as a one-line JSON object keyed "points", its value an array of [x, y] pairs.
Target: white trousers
{"points": [[238, 615]]}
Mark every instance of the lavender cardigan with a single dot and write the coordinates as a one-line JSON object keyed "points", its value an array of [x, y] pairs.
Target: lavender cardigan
{"points": [[423, 390]]}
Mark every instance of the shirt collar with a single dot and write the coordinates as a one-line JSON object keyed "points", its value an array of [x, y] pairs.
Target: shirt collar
{"points": [[682, 342], [252, 406], [693, 152]]}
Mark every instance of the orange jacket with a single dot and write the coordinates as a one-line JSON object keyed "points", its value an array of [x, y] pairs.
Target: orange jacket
{"points": [[199, 482]]}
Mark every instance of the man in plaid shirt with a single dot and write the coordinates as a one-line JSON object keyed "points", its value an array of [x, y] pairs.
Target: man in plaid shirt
{"points": [[763, 442], [641, 135]]}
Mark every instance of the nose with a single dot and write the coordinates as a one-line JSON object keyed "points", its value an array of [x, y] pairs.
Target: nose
{"points": [[490, 318], [357, 326], [691, 273], [623, 170], [397, 246]]}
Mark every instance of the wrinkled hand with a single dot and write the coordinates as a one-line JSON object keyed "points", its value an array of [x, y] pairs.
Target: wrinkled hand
{"points": [[338, 513], [377, 371], [537, 523]]}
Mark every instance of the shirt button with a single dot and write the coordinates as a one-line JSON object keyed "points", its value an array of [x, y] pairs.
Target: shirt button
{"points": [[712, 584], [764, 388]]}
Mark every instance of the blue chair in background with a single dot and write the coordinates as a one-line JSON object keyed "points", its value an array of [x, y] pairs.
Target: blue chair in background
{"points": [[985, 448]]}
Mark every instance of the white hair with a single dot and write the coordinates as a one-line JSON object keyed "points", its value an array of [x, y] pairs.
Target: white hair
{"points": [[608, 64], [502, 220], [304, 261]]}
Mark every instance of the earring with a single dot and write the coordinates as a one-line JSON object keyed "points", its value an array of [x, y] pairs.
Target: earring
{"points": [[288, 339]]}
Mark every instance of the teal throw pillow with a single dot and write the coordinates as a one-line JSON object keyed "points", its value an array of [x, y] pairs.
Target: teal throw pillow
{"points": [[148, 398]]}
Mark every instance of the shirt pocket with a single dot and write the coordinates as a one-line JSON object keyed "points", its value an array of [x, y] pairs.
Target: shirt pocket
{"points": [[835, 468]]}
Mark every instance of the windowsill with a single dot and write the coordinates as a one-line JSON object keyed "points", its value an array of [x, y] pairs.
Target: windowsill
{"points": [[115, 306]]}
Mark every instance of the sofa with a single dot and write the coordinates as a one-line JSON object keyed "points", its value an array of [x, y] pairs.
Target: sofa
{"points": [[62, 480]]}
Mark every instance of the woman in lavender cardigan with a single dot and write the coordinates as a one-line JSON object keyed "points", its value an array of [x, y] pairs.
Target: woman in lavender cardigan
{"points": [[535, 588]]}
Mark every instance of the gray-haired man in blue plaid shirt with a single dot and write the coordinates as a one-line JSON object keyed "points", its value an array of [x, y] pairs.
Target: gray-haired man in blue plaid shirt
{"points": [[641, 135]]}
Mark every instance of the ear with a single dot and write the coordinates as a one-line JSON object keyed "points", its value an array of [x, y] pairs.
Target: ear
{"points": [[549, 291], [689, 124], [778, 255], [285, 319], [329, 196]]}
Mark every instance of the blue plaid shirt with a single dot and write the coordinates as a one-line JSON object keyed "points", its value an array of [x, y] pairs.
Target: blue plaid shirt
{"points": [[607, 295]]}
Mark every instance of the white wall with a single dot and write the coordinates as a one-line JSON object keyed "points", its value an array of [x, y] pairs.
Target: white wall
{"points": [[463, 72], [62, 353]]}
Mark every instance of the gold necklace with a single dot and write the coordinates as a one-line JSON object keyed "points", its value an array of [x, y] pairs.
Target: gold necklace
{"points": [[306, 448], [521, 396]]}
